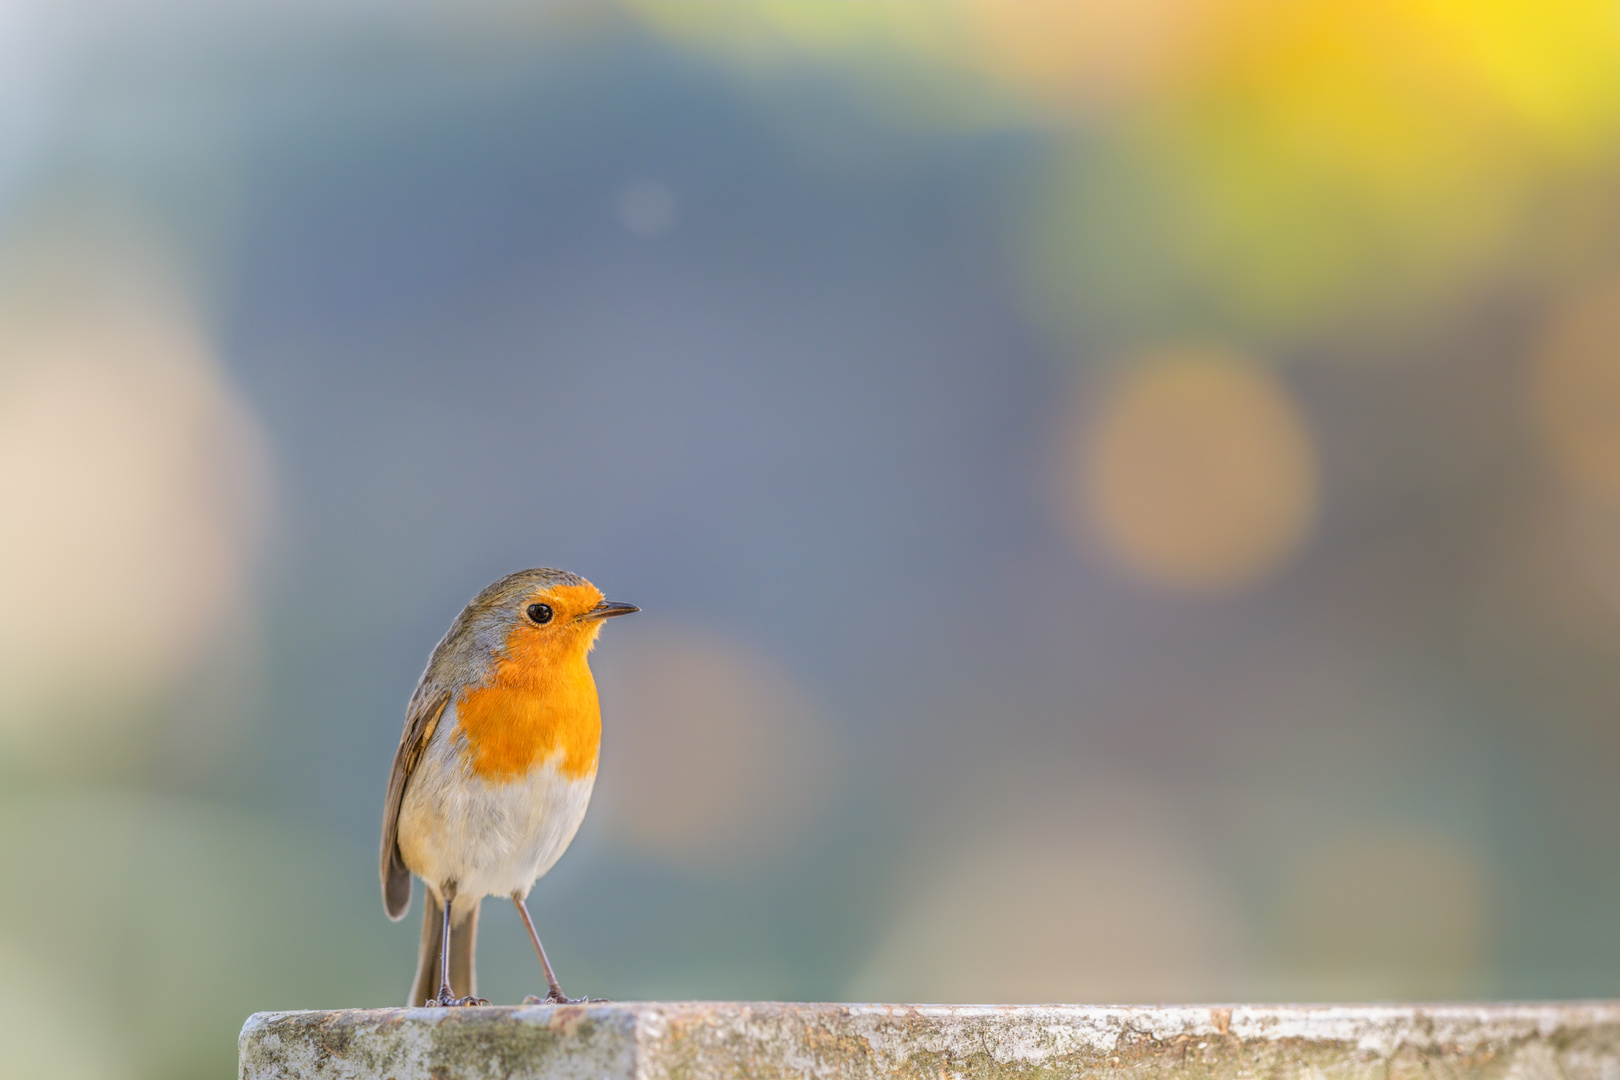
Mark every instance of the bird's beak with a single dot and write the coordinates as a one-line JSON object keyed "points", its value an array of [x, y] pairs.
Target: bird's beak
{"points": [[607, 609]]}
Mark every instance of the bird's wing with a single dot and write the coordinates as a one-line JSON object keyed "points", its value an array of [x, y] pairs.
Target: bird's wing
{"points": [[420, 722]]}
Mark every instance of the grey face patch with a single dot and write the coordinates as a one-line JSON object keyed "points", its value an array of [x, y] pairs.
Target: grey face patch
{"points": [[480, 632]]}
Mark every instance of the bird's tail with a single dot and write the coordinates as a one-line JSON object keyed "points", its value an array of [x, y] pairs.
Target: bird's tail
{"points": [[463, 941]]}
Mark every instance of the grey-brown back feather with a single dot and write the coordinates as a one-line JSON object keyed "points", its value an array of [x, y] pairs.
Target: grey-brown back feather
{"points": [[463, 950]]}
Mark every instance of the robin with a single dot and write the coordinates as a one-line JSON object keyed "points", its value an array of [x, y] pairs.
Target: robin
{"points": [[494, 769]]}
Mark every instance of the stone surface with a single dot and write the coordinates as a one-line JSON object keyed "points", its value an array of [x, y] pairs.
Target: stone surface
{"points": [[761, 1041]]}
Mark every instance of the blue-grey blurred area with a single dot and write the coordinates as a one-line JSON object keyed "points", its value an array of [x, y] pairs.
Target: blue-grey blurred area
{"points": [[1121, 513]]}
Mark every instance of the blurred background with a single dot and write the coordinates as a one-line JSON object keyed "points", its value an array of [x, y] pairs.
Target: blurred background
{"points": [[1125, 494]]}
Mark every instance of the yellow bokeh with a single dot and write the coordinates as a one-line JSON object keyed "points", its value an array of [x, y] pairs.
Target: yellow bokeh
{"points": [[1576, 394], [1197, 471], [1548, 70], [1260, 167]]}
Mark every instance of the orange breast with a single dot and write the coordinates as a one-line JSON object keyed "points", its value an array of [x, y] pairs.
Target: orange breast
{"points": [[535, 709]]}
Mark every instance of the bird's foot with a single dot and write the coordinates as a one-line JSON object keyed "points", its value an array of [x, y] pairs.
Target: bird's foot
{"points": [[557, 997], [446, 999]]}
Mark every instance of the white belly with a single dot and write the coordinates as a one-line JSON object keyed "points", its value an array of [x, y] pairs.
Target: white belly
{"points": [[490, 838]]}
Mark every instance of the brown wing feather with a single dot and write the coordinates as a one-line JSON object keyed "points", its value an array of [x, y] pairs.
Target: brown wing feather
{"points": [[420, 723]]}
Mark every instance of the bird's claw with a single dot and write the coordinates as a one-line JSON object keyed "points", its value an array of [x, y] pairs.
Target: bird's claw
{"points": [[557, 997], [446, 1000]]}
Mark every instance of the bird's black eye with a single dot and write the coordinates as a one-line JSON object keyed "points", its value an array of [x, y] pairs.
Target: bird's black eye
{"points": [[540, 613]]}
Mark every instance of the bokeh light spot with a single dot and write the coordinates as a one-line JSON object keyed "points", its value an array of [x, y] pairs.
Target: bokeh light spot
{"points": [[1077, 54], [1045, 914], [1198, 471], [133, 482], [709, 749], [1576, 395]]}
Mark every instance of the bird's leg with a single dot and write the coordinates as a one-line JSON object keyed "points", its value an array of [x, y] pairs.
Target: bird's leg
{"points": [[446, 995], [554, 992]]}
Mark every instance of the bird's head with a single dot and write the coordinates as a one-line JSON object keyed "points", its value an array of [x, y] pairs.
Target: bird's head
{"points": [[527, 624]]}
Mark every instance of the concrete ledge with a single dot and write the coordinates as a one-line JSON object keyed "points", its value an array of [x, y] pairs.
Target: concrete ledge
{"points": [[694, 1040]]}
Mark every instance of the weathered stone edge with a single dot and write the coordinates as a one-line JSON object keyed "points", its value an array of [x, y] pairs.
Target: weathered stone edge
{"points": [[375, 1043], [675, 1041], [1184, 1043]]}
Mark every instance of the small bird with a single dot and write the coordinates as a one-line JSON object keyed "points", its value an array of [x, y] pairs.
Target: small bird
{"points": [[495, 768]]}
